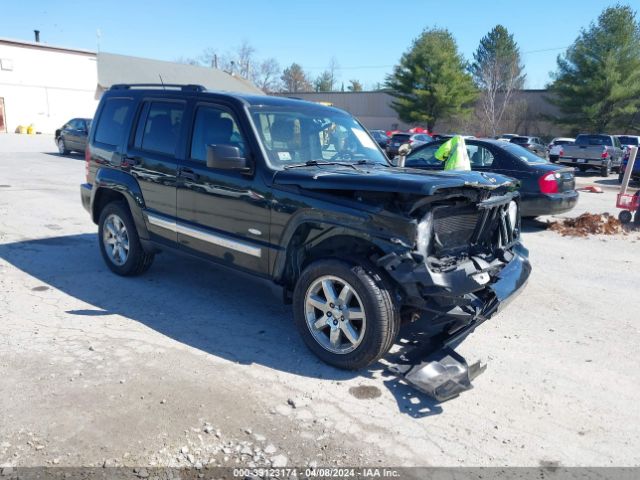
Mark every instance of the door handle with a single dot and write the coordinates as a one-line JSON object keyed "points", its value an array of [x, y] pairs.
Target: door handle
{"points": [[189, 174]]}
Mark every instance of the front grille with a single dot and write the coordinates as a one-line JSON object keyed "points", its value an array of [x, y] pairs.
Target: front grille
{"points": [[454, 226], [473, 228]]}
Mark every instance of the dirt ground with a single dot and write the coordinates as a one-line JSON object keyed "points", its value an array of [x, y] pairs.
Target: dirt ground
{"points": [[192, 365]]}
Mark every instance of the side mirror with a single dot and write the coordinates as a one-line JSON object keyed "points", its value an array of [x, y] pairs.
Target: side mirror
{"points": [[225, 157], [403, 151]]}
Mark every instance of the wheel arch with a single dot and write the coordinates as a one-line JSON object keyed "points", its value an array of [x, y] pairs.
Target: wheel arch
{"points": [[313, 239], [114, 185]]}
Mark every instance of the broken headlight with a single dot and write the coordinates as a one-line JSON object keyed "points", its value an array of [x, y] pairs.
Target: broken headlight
{"points": [[512, 211], [424, 234]]}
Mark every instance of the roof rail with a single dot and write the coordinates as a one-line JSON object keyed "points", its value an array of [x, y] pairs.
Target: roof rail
{"points": [[184, 88]]}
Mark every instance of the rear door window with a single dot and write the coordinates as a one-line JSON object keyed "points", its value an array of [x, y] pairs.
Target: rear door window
{"points": [[113, 120], [479, 156], [161, 129]]}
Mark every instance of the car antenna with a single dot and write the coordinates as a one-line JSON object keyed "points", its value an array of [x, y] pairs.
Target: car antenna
{"points": [[161, 82]]}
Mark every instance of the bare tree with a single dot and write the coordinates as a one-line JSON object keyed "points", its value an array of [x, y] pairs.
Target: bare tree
{"points": [[240, 62], [244, 55], [266, 75], [333, 69], [355, 86], [498, 72], [187, 61]]}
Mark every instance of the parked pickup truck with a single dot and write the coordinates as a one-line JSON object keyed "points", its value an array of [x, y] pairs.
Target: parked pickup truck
{"points": [[299, 195], [601, 152]]}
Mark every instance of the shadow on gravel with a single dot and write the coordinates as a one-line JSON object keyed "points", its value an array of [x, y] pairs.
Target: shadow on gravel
{"points": [[532, 225], [72, 155], [214, 309], [608, 182]]}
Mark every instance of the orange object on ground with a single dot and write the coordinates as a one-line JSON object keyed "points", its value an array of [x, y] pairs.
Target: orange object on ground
{"points": [[591, 188]]}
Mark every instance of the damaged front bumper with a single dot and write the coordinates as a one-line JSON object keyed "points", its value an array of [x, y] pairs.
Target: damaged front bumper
{"points": [[457, 304], [450, 305]]}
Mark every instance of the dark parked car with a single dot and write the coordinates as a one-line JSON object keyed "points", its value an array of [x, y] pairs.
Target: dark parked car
{"points": [[72, 137], [381, 138], [399, 139], [531, 143], [545, 189], [300, 195]]}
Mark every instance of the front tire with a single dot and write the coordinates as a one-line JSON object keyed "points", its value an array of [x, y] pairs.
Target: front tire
{"points": [[119, 242], [345, 313]]}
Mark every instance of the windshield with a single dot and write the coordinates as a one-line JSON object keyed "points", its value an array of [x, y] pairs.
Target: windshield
{"points": [[624, 140], [520, 140], [523, 154], [307, 133]]}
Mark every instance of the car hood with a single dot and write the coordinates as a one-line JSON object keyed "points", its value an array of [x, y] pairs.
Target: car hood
{"points": [[386, 179]]}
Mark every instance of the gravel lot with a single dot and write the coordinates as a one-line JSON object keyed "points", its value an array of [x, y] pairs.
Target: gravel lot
{"points": [[191, 364]]}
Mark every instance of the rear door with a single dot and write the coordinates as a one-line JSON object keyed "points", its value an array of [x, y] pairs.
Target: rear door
{"points": [[223, 214], [152, 159]]}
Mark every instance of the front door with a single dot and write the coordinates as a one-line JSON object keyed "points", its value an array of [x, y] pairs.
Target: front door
{"points": [[223, 214]]}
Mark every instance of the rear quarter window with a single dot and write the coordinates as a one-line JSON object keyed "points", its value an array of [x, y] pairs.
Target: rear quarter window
{"points": [[113, 120]]}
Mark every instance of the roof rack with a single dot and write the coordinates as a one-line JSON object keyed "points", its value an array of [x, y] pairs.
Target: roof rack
{"points": [[184, 88]]}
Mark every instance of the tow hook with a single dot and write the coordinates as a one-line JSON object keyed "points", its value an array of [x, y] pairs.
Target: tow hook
{"points": [[443, 374]]}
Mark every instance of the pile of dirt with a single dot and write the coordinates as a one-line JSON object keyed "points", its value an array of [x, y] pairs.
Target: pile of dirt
{"points": [[588, 224]]}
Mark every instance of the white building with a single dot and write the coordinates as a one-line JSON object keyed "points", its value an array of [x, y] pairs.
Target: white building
{"points": [[45, 86]]}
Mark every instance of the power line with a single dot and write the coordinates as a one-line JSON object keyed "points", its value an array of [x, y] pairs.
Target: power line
{"points": [[365, 67]]}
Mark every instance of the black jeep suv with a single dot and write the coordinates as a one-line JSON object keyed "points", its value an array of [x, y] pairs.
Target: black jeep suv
{"points": [[300, 194]]}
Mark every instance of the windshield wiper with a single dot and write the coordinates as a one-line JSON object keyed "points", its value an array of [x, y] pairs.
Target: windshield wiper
{"points": [[316, 163]]}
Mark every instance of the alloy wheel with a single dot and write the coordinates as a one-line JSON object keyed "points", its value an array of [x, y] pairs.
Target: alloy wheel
{"points": [[116, 239], [335, 314]]}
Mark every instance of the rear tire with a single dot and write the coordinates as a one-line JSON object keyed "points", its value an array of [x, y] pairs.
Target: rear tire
{"points": [[119, 242], [606, 170], [62, 147], [625, 216], [369, 316]]}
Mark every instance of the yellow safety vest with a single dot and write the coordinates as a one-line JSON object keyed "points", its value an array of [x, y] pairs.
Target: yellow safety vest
{"points": [[454, 154]]}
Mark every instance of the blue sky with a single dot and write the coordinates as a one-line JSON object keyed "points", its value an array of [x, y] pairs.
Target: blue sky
{"points": [[366, 37]]}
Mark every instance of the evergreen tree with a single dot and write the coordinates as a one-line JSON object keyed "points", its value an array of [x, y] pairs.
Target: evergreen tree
{"points": [[597, 84], [431, 81], [295, 80]]}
